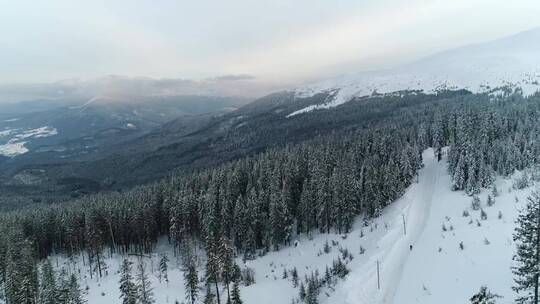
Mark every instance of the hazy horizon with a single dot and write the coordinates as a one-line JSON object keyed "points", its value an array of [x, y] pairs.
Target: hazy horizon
{"points": [[232, 48]]}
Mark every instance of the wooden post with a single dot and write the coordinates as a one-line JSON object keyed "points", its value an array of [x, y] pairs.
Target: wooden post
{"points": [[378, 277], [404, 225]]}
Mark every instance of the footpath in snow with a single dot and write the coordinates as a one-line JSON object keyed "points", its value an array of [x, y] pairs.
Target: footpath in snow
{"points": [[402, 224]]}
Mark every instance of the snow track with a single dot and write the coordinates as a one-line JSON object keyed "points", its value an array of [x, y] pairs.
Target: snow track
{"points": [[391, 249]]}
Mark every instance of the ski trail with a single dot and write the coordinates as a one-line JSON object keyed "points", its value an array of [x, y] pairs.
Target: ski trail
{"points": [[391, 249], [417, 218]]}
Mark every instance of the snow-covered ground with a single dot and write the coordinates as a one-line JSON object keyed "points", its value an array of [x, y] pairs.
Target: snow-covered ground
{"points": [[512, 61], [17, 138], [436, 270]]}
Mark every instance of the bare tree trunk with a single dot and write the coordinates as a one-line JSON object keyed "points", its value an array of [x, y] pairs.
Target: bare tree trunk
{"points": [[217, 292], [228, 292]]}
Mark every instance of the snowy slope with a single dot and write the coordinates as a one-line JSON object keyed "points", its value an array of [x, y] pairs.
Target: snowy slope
{"points": [[452, 275], [12, 141], [423, 275], [512, 61]]}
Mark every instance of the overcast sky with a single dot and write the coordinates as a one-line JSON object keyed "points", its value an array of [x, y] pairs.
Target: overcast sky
{"points": [[281, 42]]}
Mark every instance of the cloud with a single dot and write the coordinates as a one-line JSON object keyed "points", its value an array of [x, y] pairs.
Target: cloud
{"points": [[235, 77], [121, 87], [255, 44]]}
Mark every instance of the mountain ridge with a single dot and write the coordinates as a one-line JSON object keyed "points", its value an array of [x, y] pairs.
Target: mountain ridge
{"points": [[509, 62]]}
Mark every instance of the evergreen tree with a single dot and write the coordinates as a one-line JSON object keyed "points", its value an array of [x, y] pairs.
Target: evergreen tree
{"points": [[191, 276], [21, 283], [63, 292], [235, 297], [145, 292], [294, 277], [48, 293], [75, 292], [128, 289], [209, 296], [527, 257], [484, 296], [163, 268]]}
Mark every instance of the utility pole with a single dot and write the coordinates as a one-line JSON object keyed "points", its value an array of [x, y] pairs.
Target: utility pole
{"points": [[378, 277], [404, 225]]}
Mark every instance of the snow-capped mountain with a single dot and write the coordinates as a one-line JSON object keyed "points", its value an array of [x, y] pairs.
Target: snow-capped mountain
{"points": [[508, 62]]}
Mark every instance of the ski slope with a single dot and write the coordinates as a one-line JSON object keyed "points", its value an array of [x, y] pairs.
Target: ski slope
{"points": [[434, 271]]}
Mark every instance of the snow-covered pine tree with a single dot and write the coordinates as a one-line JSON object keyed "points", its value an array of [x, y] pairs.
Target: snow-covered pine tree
{"points": [[294, 277], [228, 271], [21, 283], [48, 292], [163, 268], [128, 289], [191, 276], [145, 292], [235, 295], [302, 292], [484, 296], [527, 258], [75, 292], [62, 292]]}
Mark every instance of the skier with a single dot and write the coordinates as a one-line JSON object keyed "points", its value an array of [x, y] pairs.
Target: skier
{"points": [[410, 247]]}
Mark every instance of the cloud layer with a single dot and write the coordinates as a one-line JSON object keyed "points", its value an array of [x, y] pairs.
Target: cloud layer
{"points": [[122, 87], [279, 42]]}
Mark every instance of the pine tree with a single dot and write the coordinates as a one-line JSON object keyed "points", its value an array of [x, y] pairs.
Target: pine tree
{"points": [[191, 276], [279, 214], [209, 296], [527, 257], [145, 293], [228, 267], [302, 292], [48, 292], [75, 292], [312, 292], [128, 289], [21, 284], [235, 297], [484, 296], [163, 268], [63, 287], [294, 277]]}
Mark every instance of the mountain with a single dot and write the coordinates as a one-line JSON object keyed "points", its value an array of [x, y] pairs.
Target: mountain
{"points": [[510, 62], [71, 128], [63, 133], [122, 156]]}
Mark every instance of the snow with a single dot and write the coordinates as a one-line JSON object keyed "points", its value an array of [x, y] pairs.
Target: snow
{"points": [[38, 133], [453, 275], [421, 275], [509, 62], [16, 144], [90, 101], [6, 132], [13, 149]]}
